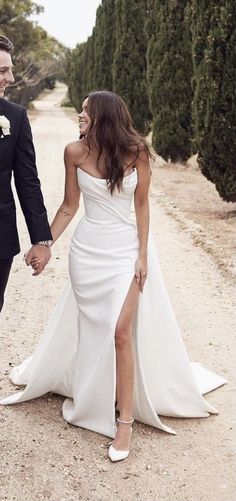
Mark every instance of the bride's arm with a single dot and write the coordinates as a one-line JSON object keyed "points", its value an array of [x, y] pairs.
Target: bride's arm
{"points": [[70, 204], [142, 215]]}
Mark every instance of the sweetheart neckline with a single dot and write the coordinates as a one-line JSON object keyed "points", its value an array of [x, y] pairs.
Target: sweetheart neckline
{"points": [[102, 178]]}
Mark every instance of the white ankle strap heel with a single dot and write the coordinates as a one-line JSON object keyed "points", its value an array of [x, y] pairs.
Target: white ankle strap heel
{"points": [[115, 455]]}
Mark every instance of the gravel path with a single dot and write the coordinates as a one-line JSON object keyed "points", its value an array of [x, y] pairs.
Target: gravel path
{"points": [[44, 458]]}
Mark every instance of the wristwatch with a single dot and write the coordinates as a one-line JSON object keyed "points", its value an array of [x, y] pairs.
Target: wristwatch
{"points": [[48, 243]]}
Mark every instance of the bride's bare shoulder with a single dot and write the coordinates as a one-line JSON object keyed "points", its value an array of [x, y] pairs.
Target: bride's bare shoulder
{"points": [[76, 152]]}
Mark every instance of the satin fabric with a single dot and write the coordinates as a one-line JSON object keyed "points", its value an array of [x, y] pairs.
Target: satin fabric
{"points": [[76, 355]]}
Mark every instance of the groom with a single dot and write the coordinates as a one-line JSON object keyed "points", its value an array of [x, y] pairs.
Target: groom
{"points": [[17, 157]]}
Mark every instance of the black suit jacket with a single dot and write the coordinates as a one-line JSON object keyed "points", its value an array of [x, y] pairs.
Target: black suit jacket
{"points": [[17, 156]]}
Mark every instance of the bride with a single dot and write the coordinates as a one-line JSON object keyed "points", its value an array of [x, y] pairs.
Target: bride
{"points": [[112, 342]]}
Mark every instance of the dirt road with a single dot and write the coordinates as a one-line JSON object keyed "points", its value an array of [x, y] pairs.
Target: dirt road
{"points": [[44, 458]]}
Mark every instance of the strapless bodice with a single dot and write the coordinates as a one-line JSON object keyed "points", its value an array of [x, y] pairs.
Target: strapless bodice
{"points": [[99, 204]]}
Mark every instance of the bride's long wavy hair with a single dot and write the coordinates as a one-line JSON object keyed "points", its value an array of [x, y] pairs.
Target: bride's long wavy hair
{"points": [[113, 135]]}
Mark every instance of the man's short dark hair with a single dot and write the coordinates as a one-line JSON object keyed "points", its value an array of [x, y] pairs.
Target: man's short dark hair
{"points": [[6, 44]]}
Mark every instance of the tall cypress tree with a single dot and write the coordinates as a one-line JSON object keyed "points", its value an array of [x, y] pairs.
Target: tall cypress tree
{"points": [[76, 75], [98, 34], [214, 106], [169, 77], [89, 78], [129, 65], [104, 45], [81, 72]]}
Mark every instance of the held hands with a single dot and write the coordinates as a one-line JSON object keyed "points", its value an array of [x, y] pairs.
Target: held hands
{"points": [[38, 257], [141, 272]]}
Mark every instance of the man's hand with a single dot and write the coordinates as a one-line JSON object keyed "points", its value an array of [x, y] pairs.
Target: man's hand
{"points": [[38, 257]]}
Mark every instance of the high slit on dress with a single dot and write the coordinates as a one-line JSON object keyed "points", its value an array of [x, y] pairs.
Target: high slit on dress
{"points": [[75, 356]]}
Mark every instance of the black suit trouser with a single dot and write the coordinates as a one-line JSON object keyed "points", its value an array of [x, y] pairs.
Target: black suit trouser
{"points": [[5, 267]]}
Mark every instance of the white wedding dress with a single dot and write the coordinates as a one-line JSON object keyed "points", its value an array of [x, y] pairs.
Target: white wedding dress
{"points": [[75, 356]]}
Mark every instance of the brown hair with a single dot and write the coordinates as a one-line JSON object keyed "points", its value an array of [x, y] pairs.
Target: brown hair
{"points": [[113, 135], [6, 44]]}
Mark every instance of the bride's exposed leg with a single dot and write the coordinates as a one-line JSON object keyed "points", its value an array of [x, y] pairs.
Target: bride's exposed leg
{"points": [[125, 366]]}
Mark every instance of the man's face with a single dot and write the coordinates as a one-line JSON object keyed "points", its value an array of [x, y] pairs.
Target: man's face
{"points": [[6, 75]]}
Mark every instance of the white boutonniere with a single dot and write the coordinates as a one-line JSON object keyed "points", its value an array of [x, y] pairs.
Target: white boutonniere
{"points": [[5, 129]]}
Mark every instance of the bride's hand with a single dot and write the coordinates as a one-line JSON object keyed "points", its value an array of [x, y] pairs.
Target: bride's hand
{"points": [[34, 263], [141, 272]]}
